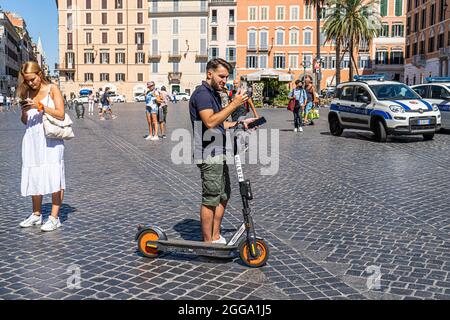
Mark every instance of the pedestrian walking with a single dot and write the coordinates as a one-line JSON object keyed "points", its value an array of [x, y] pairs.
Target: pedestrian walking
{"points": [[151, 111], [299, 94], [42, 158], [162, 111], [2, 102], [8, 103], [99, 104], [206, 110], [312, 98], [91, 103], [175, 96], [107, 105]]}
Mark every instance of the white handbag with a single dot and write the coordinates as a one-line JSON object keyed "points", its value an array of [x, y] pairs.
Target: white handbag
{"points": [[57, 129]]}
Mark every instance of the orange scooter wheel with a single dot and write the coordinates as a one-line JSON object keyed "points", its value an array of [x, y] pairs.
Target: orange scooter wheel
{"points": [[144, 237], [262, 254]]}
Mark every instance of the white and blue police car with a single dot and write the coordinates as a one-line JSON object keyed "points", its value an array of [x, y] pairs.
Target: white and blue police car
{"points": [[437, 91], [383, 107]]}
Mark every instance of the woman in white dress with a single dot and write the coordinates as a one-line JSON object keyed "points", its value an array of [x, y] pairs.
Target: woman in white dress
{"points": [[42, 158]]}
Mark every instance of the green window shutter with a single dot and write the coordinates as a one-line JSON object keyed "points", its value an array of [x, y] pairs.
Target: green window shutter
{"points": [[398, 7], [383, 8]]}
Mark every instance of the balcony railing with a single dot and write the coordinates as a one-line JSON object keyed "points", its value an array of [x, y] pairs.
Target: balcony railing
{"points": [[174, 55], [180, 10], [202, 55], [152, 56], [251, 47], [263, 47]]}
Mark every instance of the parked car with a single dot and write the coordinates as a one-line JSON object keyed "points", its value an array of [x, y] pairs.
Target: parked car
{"points": [[383, 107], [117, 98], [182, 96], [81, 98], [437, 91], [140, 98]]}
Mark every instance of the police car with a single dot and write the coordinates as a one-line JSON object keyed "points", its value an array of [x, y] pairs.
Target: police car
{"points": [[437, 91], [383, 107]]}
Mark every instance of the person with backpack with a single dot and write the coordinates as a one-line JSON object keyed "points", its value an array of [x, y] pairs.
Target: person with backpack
{"points": [[299, 94], [106, 105]]}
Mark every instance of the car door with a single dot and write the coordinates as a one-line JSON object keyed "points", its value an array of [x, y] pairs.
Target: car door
{"points": [[346, 105], [362, 107], [437, 95]]}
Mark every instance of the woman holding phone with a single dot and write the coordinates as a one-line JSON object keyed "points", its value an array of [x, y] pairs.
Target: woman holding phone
{"points": [[42, 158]]}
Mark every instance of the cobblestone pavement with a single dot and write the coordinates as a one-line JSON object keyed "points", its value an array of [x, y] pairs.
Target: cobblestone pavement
{"points": [[339, 210]]}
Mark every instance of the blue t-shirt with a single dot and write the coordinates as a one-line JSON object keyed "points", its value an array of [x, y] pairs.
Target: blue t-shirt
{"points": [[211, 142]]}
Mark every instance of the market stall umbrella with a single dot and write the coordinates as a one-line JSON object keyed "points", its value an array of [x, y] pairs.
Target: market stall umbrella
{"points": [[269, 74]]}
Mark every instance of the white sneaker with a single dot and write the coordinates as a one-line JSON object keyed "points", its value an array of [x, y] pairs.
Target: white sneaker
{"points": [[155, 138], [295, 130], [51, 224], [32, 220], [221, 240], [148, 138], [300, 129]]}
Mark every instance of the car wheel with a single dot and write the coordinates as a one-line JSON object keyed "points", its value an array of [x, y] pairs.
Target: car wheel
{"points": [[335, 126], [428, 136], [380, 131]]}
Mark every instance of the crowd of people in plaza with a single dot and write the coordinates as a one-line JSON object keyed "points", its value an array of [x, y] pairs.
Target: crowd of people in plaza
{"points": [[7, 103]]}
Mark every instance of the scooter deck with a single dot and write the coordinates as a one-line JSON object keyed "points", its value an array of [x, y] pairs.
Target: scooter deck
{"points": [[195, 247]]}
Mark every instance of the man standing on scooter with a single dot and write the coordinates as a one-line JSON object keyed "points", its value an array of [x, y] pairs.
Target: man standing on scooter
{"points": [[209, 149]]}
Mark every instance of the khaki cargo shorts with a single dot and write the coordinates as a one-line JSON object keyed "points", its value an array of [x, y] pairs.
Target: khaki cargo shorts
{"points": [[215, 180]]}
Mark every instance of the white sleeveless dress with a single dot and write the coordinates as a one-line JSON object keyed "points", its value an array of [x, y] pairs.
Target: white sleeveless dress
{"points": [[42, 158]]}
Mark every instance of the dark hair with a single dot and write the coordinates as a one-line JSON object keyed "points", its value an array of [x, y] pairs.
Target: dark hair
{"points": [[297, 82], [216, 62], [163, 88]]}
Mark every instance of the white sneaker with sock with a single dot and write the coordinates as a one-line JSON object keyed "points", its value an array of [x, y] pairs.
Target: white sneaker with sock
{"points": [[32, 220], [221, 240], [300, 129], [51, 224]]}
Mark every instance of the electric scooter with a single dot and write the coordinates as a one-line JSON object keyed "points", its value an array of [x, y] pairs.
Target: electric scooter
{"points": [[253, 251]]}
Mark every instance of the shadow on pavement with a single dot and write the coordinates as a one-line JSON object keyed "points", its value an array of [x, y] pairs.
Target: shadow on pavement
{"points": [[64, 211]]}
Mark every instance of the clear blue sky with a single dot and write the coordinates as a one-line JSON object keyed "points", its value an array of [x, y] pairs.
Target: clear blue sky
{"points": [[41, 17]]}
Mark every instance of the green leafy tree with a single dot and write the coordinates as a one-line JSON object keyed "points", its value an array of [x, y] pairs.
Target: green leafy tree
{"points": [[350, 24]]}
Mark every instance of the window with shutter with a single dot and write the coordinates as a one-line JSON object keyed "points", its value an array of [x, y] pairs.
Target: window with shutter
{"points": [[383, 8], [398, 8]]}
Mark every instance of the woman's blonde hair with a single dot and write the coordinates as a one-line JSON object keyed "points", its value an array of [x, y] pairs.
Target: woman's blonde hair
{"points": [[27, 68]]}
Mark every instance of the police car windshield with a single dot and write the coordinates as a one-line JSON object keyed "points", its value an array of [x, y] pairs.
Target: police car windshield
{"points": [[394, 92]]}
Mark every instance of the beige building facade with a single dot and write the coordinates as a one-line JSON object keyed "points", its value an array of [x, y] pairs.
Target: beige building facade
{"points": [[103, 43], [222, 31], [123, 44], [178, 43]]}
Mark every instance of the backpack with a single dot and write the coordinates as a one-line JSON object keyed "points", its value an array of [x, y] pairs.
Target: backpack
{"points": [[104, 99]]}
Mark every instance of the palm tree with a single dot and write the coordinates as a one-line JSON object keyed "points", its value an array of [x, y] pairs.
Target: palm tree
{"points": [[351, 23]]}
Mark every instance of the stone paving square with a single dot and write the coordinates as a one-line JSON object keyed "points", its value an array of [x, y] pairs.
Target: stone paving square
{"points": [[338, 210]]}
